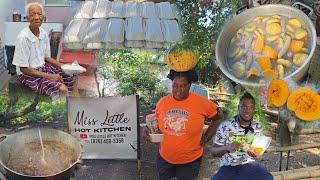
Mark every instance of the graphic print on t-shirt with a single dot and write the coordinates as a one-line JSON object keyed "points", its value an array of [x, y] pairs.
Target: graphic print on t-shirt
{"points": [[175, 122]]}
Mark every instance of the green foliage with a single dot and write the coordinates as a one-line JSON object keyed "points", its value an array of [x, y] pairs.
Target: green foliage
{"points": [[56, 110], [45, 109], [133, 73], [201, 27], [3, 102], [232, 108]]}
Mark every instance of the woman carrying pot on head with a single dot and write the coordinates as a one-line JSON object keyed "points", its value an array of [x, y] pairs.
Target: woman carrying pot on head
{"points": [[181, 120]]}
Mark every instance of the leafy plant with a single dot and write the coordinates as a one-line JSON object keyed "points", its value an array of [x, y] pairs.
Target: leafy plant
{"points": [[201, 25], [45, 109], [134, 73]]}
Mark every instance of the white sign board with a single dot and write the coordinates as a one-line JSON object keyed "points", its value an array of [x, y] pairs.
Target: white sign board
{"points": [[108, 127]]}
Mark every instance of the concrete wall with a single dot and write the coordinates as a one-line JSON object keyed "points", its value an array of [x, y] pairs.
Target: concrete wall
{"points": [[7, 7]]}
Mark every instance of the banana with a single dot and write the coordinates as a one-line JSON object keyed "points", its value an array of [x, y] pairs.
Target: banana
{"points": [[240, 53], [284, 62], [280, 71], [261, 31], [300, 33], [234, 52], [258, 19], [240, 31], [265, 19], [257, 33], [276, 16], [272, 38], [280, 43], [273, 20], [251, 27], [290, 28]]}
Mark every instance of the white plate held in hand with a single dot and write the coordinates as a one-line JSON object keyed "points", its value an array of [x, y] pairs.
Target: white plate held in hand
{"points": [[260, 144], [156, 138], [73, 69]]}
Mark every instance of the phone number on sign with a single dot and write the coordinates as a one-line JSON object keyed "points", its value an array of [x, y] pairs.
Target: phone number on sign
{"points": [[107, 141]]}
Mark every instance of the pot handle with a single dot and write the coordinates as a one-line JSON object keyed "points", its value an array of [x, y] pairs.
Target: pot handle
{"points": [[3, 137], [297, 4]]}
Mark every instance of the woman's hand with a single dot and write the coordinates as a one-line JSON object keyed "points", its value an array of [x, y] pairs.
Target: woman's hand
{"points": [[204, 139], [145, 134]]}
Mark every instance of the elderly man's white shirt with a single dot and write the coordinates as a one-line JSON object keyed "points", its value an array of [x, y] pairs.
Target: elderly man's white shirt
{"points": [[30, 50]]}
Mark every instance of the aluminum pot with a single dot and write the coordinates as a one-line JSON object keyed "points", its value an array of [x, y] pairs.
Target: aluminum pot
{"points": [[19, 139], [230, 29]]}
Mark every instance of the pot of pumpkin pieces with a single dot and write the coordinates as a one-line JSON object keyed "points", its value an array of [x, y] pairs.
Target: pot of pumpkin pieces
{"points": [[265, 43]]}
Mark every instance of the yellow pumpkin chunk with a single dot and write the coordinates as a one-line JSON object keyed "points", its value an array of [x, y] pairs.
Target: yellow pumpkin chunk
{"points": [[278, 93], [264, 63], [305, 103], [296, 46], [270, 74], [270, 52]]}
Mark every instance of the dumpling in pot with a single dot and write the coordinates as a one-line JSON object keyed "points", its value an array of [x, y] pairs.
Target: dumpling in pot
{"points": [[238, 69]]}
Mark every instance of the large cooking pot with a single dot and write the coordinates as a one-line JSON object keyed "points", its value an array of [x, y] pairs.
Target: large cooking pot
{"points": [[240, 20], [19, 139]]}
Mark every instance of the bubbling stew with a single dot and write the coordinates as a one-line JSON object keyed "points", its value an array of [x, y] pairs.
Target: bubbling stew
{"points": [[27, 160]]}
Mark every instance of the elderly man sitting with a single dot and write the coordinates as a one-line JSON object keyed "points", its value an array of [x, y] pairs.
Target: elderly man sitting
{"points": [[35, 68]]}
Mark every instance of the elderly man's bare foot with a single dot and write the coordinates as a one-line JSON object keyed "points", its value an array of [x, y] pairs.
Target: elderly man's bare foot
{"points": [[75, 93], [58, 97]]}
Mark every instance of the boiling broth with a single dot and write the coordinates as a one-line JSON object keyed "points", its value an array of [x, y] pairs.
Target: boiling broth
{"points": [[27, 160]]}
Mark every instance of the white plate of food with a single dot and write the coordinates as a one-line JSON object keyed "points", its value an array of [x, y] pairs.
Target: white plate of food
{"points": [[73, 69]]}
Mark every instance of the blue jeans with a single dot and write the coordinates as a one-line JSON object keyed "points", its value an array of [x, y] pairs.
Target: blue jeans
{"points": [[252, 170]]}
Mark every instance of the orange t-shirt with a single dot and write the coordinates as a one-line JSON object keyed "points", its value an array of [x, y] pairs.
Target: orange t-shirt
{"points": [[182, 122]]}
